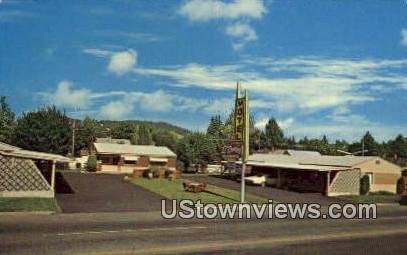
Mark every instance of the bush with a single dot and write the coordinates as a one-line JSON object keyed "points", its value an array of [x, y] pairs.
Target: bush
{"points": [[92, 163], [156, 172], [382, 192], [364, 185], [146, 173], [400, 186], [168, 173]]}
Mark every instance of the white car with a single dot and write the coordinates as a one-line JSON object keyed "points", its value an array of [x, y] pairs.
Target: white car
{"points": [[261, 179]]}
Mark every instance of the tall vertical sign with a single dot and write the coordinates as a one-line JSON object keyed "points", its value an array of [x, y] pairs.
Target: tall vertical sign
{"points": [[242, 132]]}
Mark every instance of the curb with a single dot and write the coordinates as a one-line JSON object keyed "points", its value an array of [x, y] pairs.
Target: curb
{"points": [[28, 213]]}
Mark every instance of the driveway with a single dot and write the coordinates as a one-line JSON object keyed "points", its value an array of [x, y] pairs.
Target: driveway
{"points": [[103, 193], [279, 195]]}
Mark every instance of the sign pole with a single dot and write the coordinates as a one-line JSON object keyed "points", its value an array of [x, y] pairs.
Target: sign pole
{"points": [[245, 146], [241, 133]]}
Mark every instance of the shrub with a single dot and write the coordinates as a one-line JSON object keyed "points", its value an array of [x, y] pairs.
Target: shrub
{"points": [[156, 172], [381, 192], [146, 173], [400, 186], [168, 173], [364, 185], [92, 163]]}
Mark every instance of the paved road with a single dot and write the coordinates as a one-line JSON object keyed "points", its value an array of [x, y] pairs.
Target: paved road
{"points": [[283, 196], [129, 233], [105, 193]]}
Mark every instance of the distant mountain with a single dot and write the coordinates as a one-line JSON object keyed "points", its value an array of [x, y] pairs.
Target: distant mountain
{"points": [[155, 125]]}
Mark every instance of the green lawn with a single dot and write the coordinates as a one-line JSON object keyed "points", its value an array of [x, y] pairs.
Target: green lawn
{"points": [[27, 204], [213, 194], [373, 199]]}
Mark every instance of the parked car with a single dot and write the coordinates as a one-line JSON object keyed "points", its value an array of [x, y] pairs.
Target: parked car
{"points": [[261, 179]]}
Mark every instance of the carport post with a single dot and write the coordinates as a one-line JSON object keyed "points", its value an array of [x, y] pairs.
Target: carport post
{"points": [[278, 178], [327, 182], [53, 176]]}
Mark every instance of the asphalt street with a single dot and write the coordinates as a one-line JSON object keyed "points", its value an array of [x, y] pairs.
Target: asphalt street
{"points": [[147, 233]]}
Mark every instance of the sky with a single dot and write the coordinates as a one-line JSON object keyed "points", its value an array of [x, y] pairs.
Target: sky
{"points": [[319, 67]]}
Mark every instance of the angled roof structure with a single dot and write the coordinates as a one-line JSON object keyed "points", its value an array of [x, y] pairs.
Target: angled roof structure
{"points": [[137, 150], [304, 162], [9, 150], [8, 147]]}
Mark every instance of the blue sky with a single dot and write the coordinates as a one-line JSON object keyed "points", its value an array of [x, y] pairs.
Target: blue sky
{"points": [[320, 67]]}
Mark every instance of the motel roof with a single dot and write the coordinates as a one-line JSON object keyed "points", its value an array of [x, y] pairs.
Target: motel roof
{"points": [[138, 150], [302, 153], [318, 163], [112, 140], [9, 150]]}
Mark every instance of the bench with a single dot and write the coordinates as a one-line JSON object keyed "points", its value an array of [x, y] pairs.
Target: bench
{"points": [[194, 186]]}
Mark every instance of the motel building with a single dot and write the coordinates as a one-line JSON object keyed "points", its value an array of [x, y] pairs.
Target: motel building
{"points": [[123, 157], [26, 173], [329, 175]]}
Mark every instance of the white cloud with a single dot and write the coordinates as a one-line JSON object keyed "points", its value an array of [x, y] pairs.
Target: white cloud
{"points": [[65, 96], [205, 10], [241, 32], [317, 83], [238, 10], [122, 62], [404, 37], [158, 101], [116, 110], [97, 52], [349, 127]]}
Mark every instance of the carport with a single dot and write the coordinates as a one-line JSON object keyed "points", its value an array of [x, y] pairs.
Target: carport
{"points": [[27, 173], [292, 174]]}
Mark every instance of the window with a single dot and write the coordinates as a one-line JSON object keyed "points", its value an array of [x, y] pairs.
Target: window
{"points": [[155, 163], [130, 162]]}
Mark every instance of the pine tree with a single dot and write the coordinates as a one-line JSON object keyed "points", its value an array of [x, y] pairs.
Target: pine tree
{"points": [[7, 123], [274, 134]]}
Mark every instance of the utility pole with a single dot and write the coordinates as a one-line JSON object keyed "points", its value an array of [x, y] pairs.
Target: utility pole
{"points": [[73, 138]]}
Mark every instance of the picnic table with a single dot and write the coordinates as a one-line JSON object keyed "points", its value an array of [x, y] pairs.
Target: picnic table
{"points": [[194, 186]]}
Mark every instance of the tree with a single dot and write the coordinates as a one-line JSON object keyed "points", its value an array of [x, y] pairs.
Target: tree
{"points": [[47, 130], [91, 164], [255, 139], [145, 135], [7, 123], [398, 147], [123, 130], [370, 145], [215, 136], [167, 138], [86, 133], [195, 148], [274, 134]]}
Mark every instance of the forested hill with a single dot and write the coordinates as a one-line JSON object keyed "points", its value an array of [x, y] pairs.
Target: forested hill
{"points": [[156, 126]]}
